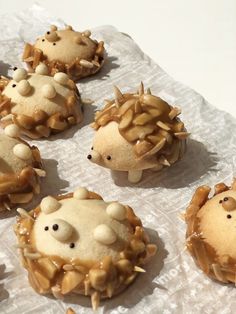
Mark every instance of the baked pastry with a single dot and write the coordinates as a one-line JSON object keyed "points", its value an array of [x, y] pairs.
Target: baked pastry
{"points": [[78, 243], [136, 132], [38, 103], [211, 231], [68, 51], [20, 169]]}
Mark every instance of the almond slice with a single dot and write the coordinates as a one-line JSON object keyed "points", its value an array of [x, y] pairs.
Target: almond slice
{"points": [[127, 105], [157, 148], [48, 268], [182, 135], [163, 161], [155, 102], [138, 132], [126, 119], [42, 280], [142, 148], [70, 281], [20, 198], [154, 112], [142, 119], [174, 113], [163, 126]]}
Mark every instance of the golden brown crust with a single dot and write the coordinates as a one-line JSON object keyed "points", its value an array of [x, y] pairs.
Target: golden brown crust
{"points": [[19, 188], [76, 70], [222, 268], [148, 122], [98, 279], [40, 124]]}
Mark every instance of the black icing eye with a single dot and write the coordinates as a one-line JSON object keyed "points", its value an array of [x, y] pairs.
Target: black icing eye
{"points": [[229, 216], [43, 39], [48, 33], [54, 44], [108, 157], [92, 148], [220, 201], [15, 68], [226, 199], [46, 228], [13, 85], [72, 245], [55, 227]]}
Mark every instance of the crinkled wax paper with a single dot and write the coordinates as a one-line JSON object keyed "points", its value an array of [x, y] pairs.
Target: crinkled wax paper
{"points": [[172, 283]]}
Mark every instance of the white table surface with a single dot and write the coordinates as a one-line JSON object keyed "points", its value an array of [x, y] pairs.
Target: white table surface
{"points": [[194, 41]]}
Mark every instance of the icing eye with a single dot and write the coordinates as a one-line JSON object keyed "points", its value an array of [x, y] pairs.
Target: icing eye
{"points": [[72, 245], [108, 157], [15, 68], [55, 227], [229, 216], [48, 33], [226, 199], [13, 85], [92, 148], [43, 39], [220, 201], [54, 44], [46, 228], [89, 156]]}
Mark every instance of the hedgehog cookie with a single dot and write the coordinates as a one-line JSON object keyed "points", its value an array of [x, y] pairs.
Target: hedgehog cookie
{"points": [[20, 169], [146, 133], [211, 230], [38, 103], [68, 51], [78, 243]]}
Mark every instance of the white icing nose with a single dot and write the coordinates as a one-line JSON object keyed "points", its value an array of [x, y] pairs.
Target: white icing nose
{"points": [[19, 74], [60, 230], [94, 156]]}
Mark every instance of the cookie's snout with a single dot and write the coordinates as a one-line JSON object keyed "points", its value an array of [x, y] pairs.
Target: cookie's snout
{"points": [[61, 230], [94, 156]]}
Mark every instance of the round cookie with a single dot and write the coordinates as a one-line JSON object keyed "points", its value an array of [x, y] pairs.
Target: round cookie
{"points": [[68, 51], [146, 134], [39, 104], [78, 243], [211, 231], [20, 169]]}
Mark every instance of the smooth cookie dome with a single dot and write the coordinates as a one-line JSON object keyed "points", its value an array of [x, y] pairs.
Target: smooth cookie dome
{"points": [[36, 99], [218, 226], [84, 217], [69, 46], [10, 162]]}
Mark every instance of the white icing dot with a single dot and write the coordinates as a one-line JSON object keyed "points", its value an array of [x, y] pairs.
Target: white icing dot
{"points": [[42, 69], [48, 91], [81, 194], [104, 234], [23, 87], [22, 151], [116, 211], [60, 229], [19, 74], [61, 78], [49, 205], [12, 130]]}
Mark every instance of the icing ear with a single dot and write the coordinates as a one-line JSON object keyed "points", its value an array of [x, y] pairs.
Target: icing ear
{"points": [[12, 130], [69, 28], [53, 28], [116, 211], [104, 234], [61, 78], [49, 91], [86, 33], [49, 205], [60, 230], [81, 194], [229, 203], [22, 151], [51, 36], [19, 74], [41, 69], [23, 87]]}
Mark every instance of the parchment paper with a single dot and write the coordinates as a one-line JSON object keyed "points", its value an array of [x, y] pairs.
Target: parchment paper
{"points": [[172, 283]]}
